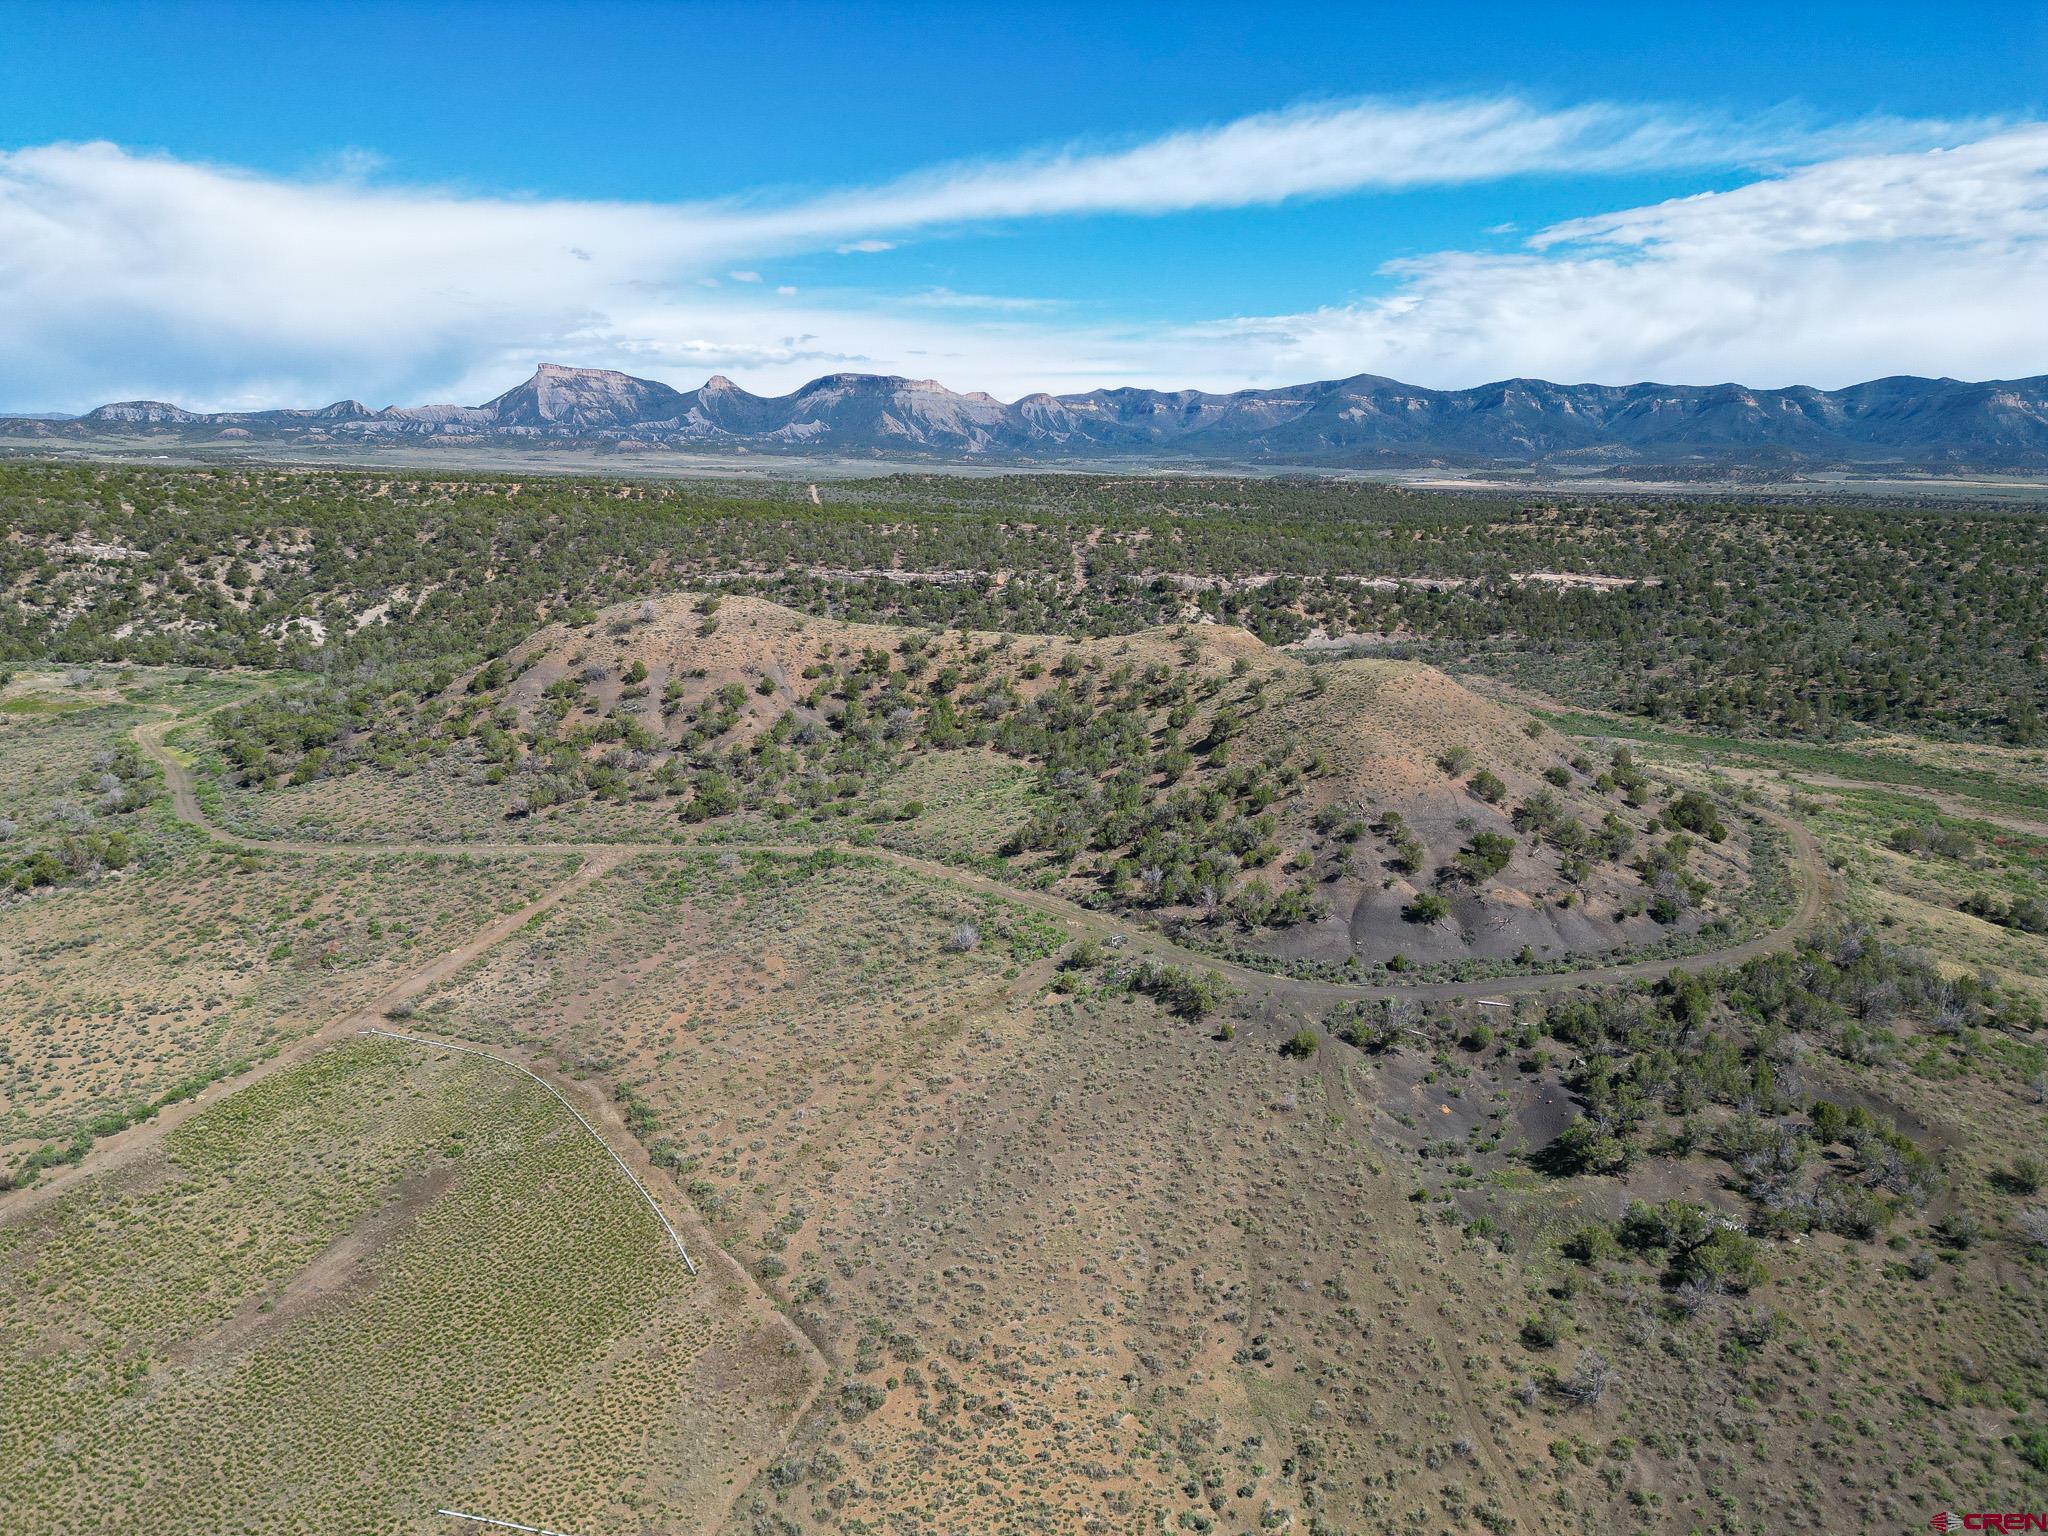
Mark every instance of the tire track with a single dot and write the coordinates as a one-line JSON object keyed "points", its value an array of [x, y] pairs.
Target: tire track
{"points": [[127, 1146]]}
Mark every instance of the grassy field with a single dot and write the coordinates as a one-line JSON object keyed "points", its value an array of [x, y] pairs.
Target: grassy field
{"points": [[1083, 1264], [384, 1281], [971, 803], [1920, 897], [124, 986], [437, 801], [120, 992], [2023, 785]]}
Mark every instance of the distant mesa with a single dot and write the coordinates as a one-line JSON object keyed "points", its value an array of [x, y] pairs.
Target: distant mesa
{"points": [[143, 412], [584, 399], [1365, 421]]}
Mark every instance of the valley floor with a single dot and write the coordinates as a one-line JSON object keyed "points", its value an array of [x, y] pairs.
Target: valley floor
{"points": [[990, 1240]]}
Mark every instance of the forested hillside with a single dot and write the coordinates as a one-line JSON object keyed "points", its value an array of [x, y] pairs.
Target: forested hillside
{"points": [[1808, 620]]}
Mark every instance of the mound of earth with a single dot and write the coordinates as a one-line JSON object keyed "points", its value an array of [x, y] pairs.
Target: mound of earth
{"points": [[1361, 812]]}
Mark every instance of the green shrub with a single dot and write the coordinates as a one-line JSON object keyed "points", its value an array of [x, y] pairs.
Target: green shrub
{"points": [[1727, 1260], [1695, 813], [1486, 855], [1591, 1243], [1427, 907]]}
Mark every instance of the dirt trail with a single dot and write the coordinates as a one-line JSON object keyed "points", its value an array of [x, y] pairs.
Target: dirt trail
{"points": [[125, 1147], [600, 858], [1809, 866]]}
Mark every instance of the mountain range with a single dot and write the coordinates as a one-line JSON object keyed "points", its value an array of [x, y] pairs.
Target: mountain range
{"points": [[1364, 421]]}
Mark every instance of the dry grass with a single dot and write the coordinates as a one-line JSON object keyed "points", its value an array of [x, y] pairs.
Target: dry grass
{"points": [[113, 993], [383, 1281], [1069, 1255], [1082, 1266]]}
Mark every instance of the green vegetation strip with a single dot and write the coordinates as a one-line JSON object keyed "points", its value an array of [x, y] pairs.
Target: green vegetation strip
{"points": [[1801, 757], [113, 1121], [633, 1178]]}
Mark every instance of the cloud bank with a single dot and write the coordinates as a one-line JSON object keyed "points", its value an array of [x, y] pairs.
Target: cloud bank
{"points": [[1854, 250], [1931, 263]]}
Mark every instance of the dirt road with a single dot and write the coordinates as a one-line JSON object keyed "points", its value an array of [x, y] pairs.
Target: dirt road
{"points": [[598, 859], [1809, 868]]}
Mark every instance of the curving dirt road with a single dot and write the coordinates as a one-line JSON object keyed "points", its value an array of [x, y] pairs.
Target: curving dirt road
{"points": [[1810, 869], [598, 859]]}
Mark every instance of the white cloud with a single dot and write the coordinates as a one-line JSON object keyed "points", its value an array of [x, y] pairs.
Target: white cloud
{"points": [[1324, 150], [124, 274], [865, 247], [1866, 265], [1980, 193]]}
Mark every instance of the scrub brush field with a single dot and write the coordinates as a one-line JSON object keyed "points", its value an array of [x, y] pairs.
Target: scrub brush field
{"points": [[385, 1281], [1248, 1015]]}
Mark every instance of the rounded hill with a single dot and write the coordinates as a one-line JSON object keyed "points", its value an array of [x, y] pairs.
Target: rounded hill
{"points": [[1359, 813]]}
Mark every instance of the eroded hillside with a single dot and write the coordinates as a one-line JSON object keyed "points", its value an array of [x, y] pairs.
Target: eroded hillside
{"points": [[1369, 815]]}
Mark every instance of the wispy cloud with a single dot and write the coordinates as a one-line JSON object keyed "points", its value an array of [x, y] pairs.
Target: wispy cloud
{"points": [[1326, 150], [946, 298], [125, 273]]}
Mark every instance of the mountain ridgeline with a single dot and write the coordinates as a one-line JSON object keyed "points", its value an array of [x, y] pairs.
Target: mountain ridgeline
{"points": [[1365, 421]]}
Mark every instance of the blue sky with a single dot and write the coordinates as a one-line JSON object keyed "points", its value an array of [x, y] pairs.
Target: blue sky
{"points": [[255, 204]]}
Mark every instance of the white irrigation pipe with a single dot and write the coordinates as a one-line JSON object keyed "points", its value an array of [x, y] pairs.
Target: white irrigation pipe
{"points": [[456, 1514], [471, 1050]]}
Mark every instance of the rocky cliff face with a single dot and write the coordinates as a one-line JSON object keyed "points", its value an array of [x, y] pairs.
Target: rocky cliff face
{"points": [[584, 399], [1366, 420]]}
